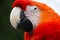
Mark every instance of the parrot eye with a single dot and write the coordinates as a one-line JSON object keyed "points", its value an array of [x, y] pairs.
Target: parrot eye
{"points": [[32, 9], [35, 8]]}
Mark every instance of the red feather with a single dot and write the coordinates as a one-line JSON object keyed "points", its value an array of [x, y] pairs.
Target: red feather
{"points": [[46, 31], [21, 3]]}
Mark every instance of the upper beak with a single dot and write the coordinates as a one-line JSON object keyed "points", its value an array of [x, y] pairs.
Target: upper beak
{"points": [[18, 20]]}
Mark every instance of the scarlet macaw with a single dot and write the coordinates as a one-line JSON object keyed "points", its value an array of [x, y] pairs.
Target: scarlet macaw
{"points": [[39, 21]]}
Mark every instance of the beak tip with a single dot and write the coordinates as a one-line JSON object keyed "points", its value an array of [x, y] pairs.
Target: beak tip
{"points": [[15, 29]]}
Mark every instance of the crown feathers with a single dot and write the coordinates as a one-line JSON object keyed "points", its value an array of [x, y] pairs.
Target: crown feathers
{"points": [[21, 3]]}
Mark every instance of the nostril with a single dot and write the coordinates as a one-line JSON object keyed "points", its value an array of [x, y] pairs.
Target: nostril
{"points": [[22, 15]]}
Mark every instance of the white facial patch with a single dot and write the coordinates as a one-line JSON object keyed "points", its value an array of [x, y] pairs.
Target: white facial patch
{"points": [[33, 13], [54, 4], [15, 16]]}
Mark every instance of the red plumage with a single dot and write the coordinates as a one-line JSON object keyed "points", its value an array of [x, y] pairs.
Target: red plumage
{"points": [[46, 31], [21, 3], [49, 29]]}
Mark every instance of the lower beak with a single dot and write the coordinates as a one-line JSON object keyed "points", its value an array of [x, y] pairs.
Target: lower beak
{"points": [[25, 23]]}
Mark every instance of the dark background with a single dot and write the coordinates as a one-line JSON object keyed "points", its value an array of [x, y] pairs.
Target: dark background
{"points": [[7, 32]]}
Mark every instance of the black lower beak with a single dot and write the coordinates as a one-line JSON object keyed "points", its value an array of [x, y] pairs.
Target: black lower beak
{"points": [[25, 23]]}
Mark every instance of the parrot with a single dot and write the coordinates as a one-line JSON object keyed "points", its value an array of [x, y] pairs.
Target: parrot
{"points": [[37, 20]]}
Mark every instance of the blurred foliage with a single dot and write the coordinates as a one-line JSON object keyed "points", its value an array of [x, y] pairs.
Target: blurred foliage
{"points": [[6, 30]]}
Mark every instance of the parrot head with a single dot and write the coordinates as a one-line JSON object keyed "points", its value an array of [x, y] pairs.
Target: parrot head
{"points": [[28, 14]]}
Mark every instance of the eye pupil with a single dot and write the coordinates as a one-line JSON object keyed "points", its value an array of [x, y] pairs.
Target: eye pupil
{"points": [[35, 8]]}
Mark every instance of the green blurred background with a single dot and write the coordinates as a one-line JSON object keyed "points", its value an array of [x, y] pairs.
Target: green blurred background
{"points": [[6, 30]]}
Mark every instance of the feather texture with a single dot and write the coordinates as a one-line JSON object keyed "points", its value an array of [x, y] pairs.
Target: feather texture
{"points": [[21, 3], [49, 26], [45, 31]]}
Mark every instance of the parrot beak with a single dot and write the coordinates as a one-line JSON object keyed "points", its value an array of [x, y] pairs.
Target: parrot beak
{"points": [[25, 23], [19, 20]]}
